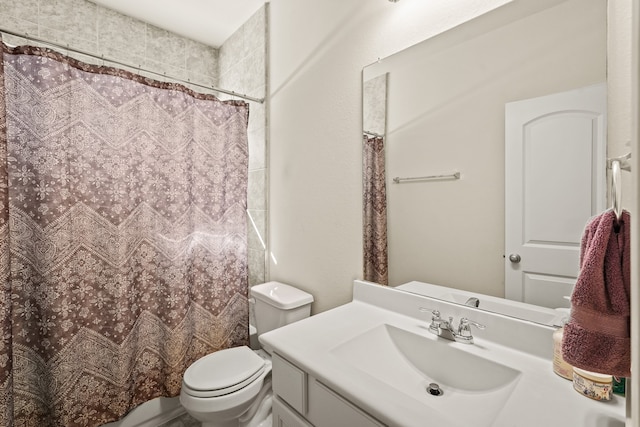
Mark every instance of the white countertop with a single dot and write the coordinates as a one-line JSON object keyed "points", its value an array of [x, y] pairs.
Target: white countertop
{"points": [[539, 398]]}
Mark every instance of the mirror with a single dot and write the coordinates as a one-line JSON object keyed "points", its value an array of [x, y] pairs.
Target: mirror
{"points": [[445, 114], [374, 203]]}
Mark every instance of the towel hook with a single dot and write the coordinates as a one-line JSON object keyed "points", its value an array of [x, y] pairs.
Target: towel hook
{"points": [[616, 188], [623, 161]]}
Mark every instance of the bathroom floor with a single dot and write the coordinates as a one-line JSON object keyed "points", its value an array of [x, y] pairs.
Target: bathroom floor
{"points": [[182, 421]]}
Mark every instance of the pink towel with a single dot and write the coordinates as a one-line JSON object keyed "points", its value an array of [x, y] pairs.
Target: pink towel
{"points": [[597, 336]]}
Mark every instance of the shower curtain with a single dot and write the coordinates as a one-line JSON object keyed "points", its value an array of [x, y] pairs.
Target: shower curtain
{"points": [[123, 237], [374, 210]]}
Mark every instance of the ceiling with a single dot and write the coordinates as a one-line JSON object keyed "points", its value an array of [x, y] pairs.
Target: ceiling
{"points": [[207, 21]]}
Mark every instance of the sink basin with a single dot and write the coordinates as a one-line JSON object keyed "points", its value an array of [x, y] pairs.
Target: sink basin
{"points": [[475, 389]]}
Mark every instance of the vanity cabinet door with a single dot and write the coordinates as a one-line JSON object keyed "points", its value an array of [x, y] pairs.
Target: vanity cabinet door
{"points": [[329, 409], [290, 383], [285, 417]]}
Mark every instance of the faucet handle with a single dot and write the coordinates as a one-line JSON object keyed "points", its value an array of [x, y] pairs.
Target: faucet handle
{"points": [[464, 329], [466, 321], [435, 318]]}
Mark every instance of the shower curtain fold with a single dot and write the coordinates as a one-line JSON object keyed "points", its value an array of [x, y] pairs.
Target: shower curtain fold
{"points": [[123, 237]]}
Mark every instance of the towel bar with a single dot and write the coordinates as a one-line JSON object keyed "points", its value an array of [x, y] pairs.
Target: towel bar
{"points": [[399, 180]]}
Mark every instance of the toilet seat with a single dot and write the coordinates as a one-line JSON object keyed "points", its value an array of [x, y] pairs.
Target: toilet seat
{"points": [[223, 372]]}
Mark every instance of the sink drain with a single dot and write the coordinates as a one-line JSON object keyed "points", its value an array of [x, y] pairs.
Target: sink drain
{"points": [[434, 390]]}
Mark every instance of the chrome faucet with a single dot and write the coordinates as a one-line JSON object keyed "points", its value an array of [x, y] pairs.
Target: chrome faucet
{"points": [[472, 302], [445, 328]]}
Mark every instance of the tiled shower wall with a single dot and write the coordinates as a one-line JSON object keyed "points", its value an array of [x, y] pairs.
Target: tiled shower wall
{"points": [[242, 66], [239, 65], [86, 26]]}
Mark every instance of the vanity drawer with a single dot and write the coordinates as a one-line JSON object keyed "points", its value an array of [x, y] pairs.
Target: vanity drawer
{"points": [[290, 383], [329, 409]]}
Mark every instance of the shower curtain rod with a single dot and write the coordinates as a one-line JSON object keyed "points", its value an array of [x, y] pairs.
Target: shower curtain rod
{"points": [[374, 134], [113, 61]]}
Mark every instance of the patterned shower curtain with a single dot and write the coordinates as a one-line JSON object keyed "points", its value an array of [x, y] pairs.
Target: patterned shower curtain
{"points": [[375, 210], [123, 237]]}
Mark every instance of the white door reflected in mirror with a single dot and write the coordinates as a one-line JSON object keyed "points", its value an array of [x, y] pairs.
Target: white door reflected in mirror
{"points": [[554, 182]]}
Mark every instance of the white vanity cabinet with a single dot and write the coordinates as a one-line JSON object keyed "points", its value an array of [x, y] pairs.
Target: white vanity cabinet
{"points": [[300, 400], [367, 363], [284, 416]]}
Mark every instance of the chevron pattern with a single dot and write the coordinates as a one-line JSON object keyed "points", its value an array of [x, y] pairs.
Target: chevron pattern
{"points": [[375, 211], [123, 237]]}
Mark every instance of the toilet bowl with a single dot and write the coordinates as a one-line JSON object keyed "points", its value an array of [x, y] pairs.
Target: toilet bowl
{"points": [[232, 387]]}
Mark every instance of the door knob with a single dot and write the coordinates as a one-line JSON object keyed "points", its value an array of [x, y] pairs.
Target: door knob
{"points": [[515, 258]]}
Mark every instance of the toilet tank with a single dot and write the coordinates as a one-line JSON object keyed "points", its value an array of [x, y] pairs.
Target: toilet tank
{"points": [[278, 304]]}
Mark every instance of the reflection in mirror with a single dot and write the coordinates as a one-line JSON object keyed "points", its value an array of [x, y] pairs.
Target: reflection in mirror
{"points": [[446, 101], [533, 313], [374, 107], [373, 178]]}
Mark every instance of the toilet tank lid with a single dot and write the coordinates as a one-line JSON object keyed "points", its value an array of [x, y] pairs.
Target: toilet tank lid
{"points": [[281, 295]]}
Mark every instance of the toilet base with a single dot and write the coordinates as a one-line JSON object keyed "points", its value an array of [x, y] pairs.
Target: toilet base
{"points": [[258, 421], [261, 418], [257, 414]]}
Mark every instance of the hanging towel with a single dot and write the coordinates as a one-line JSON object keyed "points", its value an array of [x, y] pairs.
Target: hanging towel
{"points": [[597, 337]]}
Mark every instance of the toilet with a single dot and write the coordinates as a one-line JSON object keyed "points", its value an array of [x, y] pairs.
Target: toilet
{"points": [[232, 387]]}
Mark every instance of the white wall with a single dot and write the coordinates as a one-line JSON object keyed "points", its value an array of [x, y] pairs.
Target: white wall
{"points": [[619, 97], [624, 42], [633, 403], [318, 50]]}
